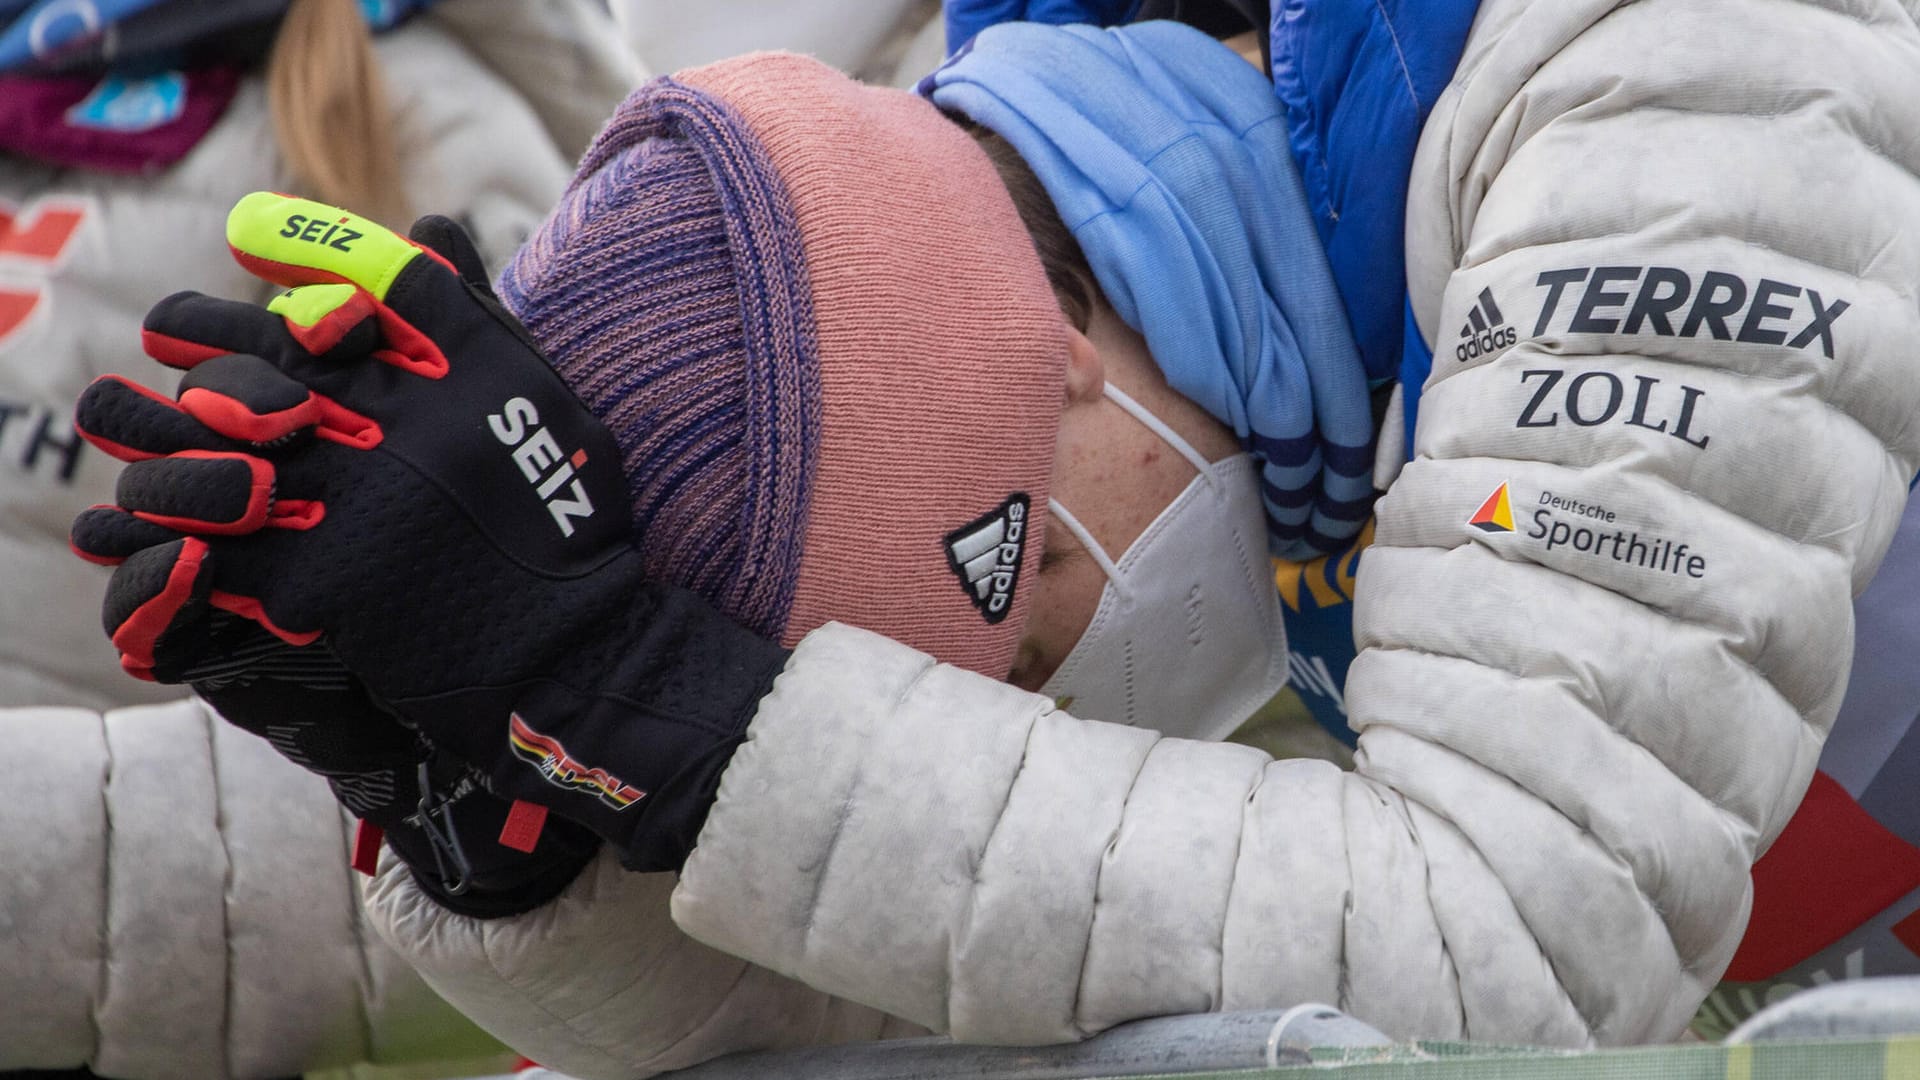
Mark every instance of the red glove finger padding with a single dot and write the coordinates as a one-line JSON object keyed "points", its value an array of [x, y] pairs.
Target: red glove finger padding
{"points": [[108, 535], [188, 328], [246, 398], [313, 324], [148, 594], [190, 470], [129, 422], [213, 492], [249, 399]]}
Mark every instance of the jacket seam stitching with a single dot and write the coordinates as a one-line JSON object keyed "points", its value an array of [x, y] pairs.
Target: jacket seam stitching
{"points": [[1446, 947], [1255, 782], [103, 978], [973, 891], [1581, 823], [533, 1001], [1559, 981], [845, 812], [227, 1048], [652, 1061], [1637, 745], [1099, 878], [1399, 53]]}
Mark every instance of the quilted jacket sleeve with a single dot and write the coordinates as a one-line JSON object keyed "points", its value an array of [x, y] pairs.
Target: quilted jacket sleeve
{"points": [[1663, 253], [599, 983], [176, 904], [564, 59]]}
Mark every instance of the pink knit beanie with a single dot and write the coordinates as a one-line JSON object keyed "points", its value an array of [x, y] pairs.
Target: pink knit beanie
{"points": [[809, 313]]}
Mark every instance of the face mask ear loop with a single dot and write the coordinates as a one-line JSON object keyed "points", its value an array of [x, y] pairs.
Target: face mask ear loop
{"points": [[1087, 541], [1159, 427]]}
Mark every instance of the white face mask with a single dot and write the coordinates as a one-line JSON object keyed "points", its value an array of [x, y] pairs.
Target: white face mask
{"points": [[1188, 638]]}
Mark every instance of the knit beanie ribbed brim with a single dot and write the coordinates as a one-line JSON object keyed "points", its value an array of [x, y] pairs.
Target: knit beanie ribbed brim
{"points": [[810, 315]]}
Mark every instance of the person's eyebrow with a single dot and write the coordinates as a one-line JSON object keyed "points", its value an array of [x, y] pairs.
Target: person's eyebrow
{"points": [[1061, 546]]}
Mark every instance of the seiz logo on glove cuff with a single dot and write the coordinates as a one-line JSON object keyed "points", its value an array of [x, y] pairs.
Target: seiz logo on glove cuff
{"points": [[534, 454]]}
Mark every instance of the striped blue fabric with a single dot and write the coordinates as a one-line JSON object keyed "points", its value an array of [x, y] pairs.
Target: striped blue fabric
{"points": [[60, 33], [1167, 156]]}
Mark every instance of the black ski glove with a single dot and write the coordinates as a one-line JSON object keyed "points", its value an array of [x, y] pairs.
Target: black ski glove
{"points": [[473, 851], [419, 489]]}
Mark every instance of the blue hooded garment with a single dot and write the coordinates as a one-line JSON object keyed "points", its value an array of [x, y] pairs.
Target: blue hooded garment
{"points": [[1357, 79], [1166, 157]]}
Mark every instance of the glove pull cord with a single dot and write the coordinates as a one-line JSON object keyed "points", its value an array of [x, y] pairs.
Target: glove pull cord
{"points": [[366, 846], [443, 839], [521, 832]]}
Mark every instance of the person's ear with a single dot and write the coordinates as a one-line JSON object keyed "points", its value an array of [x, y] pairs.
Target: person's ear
{"points": [[1086, 372]]}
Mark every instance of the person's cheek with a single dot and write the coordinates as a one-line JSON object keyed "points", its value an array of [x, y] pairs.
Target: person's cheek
{"points": [[1026, 666]]}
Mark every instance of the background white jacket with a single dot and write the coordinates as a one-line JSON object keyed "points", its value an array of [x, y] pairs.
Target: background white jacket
{"points": [[177, 904], [174, 897], [1570, 756]]}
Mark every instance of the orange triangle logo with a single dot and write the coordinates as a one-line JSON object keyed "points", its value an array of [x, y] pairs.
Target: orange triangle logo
{"points": [[1495, 515]]}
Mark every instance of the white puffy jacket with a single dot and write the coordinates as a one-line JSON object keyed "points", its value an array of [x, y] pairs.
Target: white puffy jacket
{"points": [[1604, 626], [177, 903], [174, 897]]}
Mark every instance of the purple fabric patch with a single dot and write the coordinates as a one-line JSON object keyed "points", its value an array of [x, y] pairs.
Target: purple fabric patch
{"points": [[669, 288], [112, 124]]}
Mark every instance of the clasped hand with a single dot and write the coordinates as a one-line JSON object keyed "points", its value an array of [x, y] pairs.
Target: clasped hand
{"points": [[380, 474]]}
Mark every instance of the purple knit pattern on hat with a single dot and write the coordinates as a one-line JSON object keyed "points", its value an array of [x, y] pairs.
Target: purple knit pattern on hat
{"points": [[669, 290]]}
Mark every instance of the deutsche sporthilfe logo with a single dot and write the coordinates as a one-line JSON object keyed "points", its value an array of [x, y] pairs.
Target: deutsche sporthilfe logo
{"points": [[1496, 514], [1588, 528]]}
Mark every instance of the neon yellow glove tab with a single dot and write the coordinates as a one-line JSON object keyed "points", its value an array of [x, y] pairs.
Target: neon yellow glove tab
{"points": [[292, 241], [309, 305]]}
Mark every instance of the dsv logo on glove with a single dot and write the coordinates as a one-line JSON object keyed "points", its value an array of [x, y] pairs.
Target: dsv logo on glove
{"points": [[535, 453]]}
